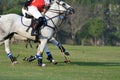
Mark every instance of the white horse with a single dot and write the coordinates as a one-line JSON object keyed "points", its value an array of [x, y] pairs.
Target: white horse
{"points": [[11, 23]]}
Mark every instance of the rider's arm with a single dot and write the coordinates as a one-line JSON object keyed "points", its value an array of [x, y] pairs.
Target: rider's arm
{"points": [[46, 7]]}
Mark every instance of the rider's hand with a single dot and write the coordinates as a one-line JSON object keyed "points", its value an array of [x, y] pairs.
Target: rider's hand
{"points": [[46, 7]]}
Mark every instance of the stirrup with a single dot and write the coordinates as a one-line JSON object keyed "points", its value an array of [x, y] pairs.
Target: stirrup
{"points": [[34, 33]]}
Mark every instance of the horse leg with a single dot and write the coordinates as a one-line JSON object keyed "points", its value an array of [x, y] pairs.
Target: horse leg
{"points": [[50, 57], [63, 50], [40, 50], [7, 49], [60, 46]]}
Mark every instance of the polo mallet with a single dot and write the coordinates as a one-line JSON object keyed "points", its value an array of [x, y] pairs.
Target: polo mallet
{"points": [[67, 58]]}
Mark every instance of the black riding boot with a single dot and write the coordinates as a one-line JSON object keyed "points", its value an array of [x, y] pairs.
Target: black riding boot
{"points": [[34, 32], [36, 24]]}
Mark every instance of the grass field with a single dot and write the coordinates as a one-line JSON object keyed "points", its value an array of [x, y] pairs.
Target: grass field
{"points": [[87, 63]]}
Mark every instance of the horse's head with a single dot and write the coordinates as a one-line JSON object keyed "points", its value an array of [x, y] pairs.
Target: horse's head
{"points": [[62, 7]]}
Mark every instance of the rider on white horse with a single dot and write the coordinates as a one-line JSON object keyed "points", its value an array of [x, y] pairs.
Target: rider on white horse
{"points": [[7, 30], [36, 9]]}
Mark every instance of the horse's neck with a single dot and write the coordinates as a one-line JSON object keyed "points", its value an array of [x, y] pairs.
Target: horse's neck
{"points": [[53, 16], [53, 13]]}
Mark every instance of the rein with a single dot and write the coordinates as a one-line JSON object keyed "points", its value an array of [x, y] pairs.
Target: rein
{"points": [[22, 22], [59, 14]]}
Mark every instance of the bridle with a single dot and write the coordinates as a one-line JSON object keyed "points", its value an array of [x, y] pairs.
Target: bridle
{"points": [[64, 13]]}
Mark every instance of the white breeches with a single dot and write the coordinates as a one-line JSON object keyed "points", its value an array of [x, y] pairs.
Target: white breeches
{"points": [[32, 10]]}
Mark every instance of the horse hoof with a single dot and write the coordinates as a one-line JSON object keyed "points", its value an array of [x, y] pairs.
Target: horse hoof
{"points": [[15, 62], [67, 61], [54, 62], [43, 65], [25, 59], [67, 53]]}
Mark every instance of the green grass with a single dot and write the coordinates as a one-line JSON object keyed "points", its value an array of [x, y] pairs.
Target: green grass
{"points": [[87, 63]]}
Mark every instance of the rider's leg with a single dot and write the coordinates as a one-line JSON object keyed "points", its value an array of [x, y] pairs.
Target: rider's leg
{"points": [[38, 22]]}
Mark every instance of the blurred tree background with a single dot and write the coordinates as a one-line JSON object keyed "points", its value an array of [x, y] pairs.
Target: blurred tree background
{"points": [[95, 22]]}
